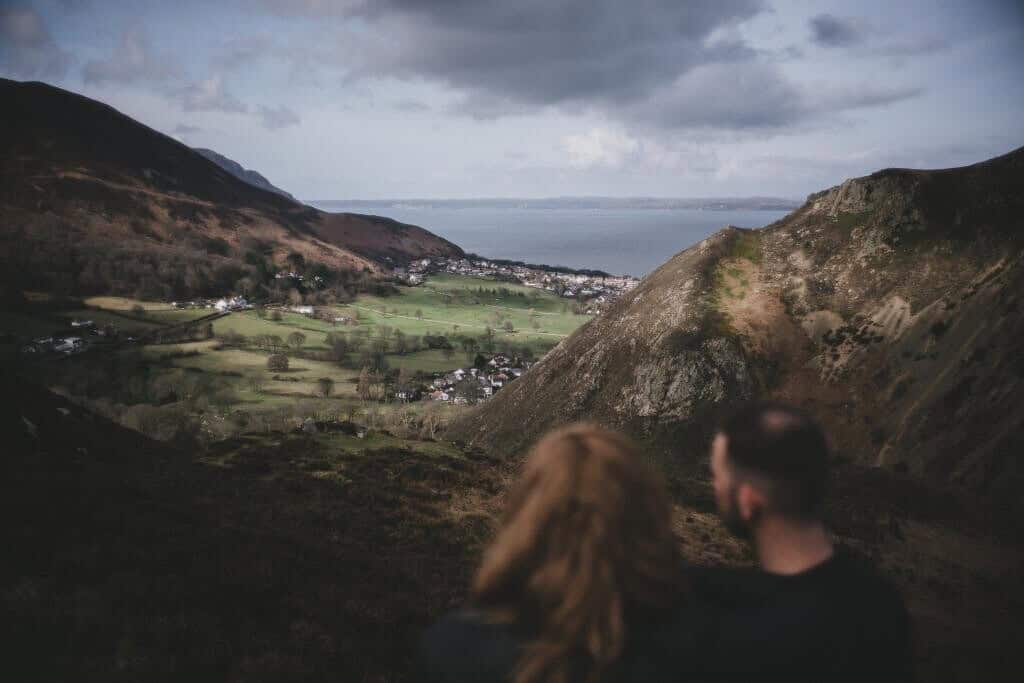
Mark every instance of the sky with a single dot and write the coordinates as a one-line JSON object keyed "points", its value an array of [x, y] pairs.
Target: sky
{"points": [[371, 99]]}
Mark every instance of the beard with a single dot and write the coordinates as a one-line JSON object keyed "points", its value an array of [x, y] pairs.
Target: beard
{"points": [[730, 516]]}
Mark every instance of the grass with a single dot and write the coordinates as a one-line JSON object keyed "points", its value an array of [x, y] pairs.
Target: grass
{"points": [[747, 245], [847, 220]]}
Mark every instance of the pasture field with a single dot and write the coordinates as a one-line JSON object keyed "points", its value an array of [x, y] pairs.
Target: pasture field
{"points": [[224, 384]]}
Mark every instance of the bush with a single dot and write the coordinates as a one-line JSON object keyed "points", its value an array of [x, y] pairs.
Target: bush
{"points": [[277, 362]]}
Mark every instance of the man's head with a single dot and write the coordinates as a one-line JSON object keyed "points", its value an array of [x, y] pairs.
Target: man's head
{"points": [[768, 459]]}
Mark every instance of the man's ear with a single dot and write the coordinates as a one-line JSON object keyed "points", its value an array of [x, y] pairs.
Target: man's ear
{"points": [[749, 502]]}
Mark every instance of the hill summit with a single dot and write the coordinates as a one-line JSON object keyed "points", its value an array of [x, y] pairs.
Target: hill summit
{"points": [[890, 306], [86, 187]]}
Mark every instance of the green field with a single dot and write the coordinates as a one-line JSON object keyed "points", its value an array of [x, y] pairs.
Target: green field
{"points": [[226, 381]]}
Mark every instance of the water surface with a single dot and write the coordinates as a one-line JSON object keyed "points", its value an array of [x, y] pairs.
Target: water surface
{"points": [[619, 241]]}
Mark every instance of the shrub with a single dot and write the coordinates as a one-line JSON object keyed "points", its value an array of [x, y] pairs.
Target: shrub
{"points": [[277, 362]]}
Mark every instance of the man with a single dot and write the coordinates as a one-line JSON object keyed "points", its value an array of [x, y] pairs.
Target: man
{"points": [[812, 612]]}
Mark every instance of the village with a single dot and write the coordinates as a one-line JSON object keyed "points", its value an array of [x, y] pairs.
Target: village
{"points": [[467, 386], [595, 291]]}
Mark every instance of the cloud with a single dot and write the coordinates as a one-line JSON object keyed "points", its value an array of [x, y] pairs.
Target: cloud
{"points": [[242, 51], [132, 61], [27, 50], [828, 30], [532, 52], [732, 96], [185, 129], [210, 95], [599, 147], [411, 106], [278, 117]]}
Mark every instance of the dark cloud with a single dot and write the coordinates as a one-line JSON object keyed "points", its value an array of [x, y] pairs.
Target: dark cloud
{"points": [[278, 117], [753, 95], [132, 60], [543, 53], [829, 30], [27, 50]]}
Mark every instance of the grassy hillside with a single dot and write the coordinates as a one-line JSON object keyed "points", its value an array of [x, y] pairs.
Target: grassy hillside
{"points": [[94, 202], [278, 557]]}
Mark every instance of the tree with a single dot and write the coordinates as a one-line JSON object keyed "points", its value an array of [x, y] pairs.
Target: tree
{"points": [[419, 314], [296, 261], [294, 297], [447, 352], [278, 362], [405, 379], [509, 327], [139, 311], [326, 386], [256, 384], [296, 340], [363, 388]]}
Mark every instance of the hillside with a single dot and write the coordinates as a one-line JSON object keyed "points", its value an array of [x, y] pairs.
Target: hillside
{"points": [[236, 169], [81, 179], [271, 557], [888, 305]]}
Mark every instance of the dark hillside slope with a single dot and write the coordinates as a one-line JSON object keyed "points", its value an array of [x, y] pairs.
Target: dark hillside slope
{"points": [[126, 560], [890, 305], [240, 172], [77, 170]]}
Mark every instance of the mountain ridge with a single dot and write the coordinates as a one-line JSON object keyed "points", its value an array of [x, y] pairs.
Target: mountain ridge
{"points": [[236, 169], [866, 305], [77, 172]]}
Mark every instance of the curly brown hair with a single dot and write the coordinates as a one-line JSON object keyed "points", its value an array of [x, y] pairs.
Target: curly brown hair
{"points": [[585, 547]]}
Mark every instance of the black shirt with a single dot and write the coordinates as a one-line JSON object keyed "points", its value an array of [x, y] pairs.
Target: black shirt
{"points": [[465, 647], [835, 622]]}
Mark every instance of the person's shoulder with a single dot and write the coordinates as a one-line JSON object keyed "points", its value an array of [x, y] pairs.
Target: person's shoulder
{"points": [[464, 645], [723, 585]]}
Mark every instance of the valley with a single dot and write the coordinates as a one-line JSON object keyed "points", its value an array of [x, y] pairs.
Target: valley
{"points": [[252, 440]]}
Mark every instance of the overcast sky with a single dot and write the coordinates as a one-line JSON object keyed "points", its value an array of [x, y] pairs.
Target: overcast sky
{"points": [[531, 98]]}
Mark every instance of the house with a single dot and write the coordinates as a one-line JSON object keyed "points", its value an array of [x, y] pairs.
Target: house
{"points": [[69, 345]]}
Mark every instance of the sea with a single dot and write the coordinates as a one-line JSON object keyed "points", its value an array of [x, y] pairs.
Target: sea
{"points": [[618, 241]]}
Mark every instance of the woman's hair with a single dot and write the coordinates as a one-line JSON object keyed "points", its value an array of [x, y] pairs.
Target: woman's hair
{"points": [[585, 543]]}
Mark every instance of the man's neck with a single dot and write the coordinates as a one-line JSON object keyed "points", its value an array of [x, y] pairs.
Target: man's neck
{"points": [[790, 547]]}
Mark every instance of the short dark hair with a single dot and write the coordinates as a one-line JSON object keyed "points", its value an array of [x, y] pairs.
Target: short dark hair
{"points": [[784, 447]]}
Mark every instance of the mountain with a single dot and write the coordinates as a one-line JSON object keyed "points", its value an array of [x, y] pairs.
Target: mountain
{"points": [[89, 194], [890, 305], [240, 172]]}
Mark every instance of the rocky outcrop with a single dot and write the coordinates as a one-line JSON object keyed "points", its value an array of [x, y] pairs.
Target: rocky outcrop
{"points": [[888, 305]]}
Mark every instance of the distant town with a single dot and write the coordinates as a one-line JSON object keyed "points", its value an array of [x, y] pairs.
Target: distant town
{"points": [[593, 289]]}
